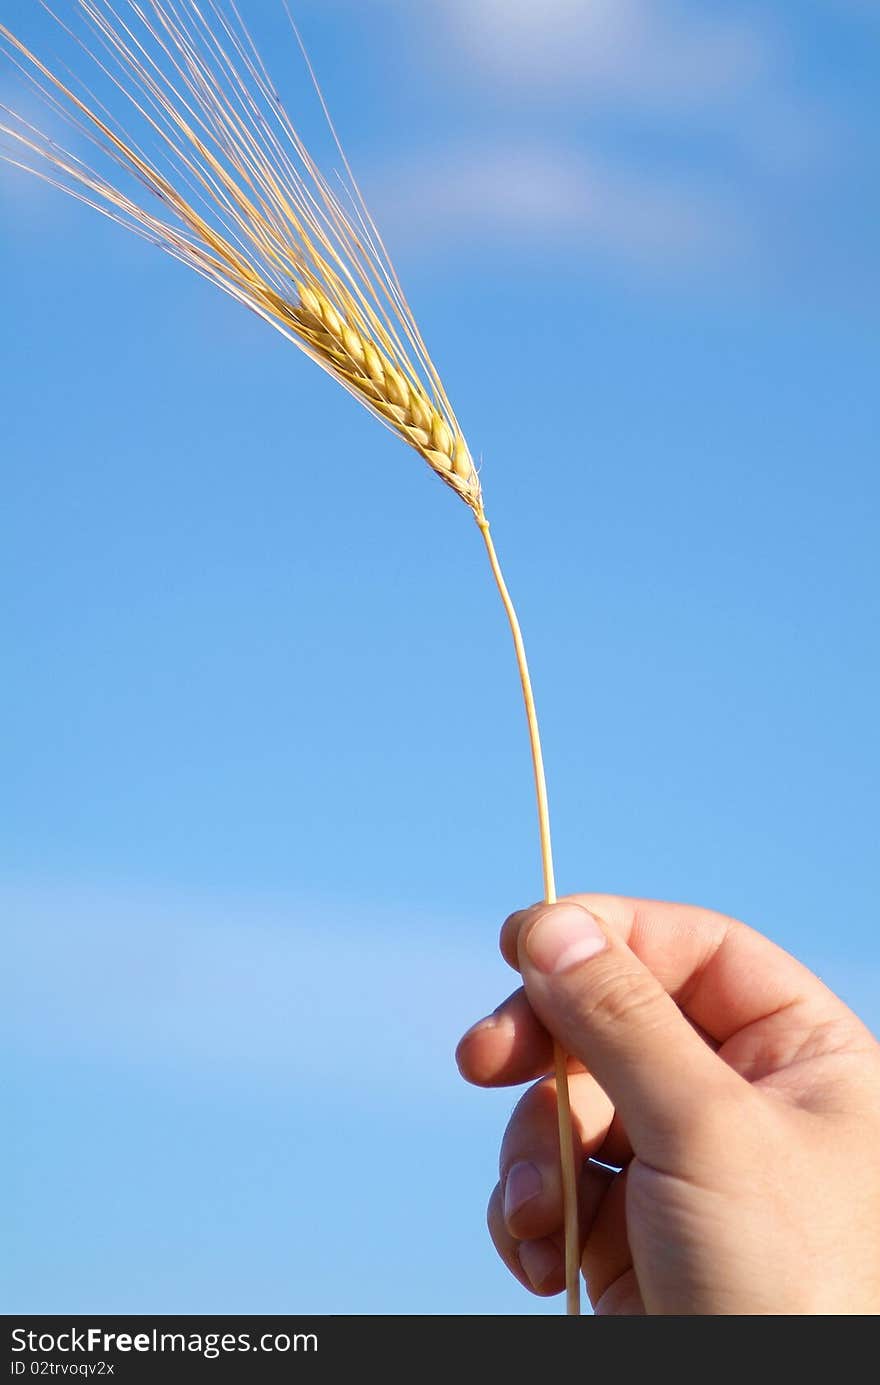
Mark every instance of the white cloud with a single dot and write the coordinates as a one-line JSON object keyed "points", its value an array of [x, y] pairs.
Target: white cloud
{"points": [[226, 987], [535, 195], [701, 98], [647, 51], [224, 990]]}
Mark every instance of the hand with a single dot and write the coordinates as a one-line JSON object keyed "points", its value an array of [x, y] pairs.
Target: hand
{"points": [[735, 1098]]}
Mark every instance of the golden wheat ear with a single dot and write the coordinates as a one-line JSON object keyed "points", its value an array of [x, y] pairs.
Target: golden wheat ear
{"points": [[257, 217], [220, 179]]}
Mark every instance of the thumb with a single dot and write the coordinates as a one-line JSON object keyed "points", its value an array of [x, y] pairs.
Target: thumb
{"points": [[609, 1011]]}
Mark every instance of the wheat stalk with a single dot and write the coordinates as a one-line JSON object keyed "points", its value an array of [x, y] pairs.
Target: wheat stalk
{"points": [[260, 221]]}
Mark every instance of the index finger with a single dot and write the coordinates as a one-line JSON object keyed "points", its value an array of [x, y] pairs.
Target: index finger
{"points": [[722, 974]]}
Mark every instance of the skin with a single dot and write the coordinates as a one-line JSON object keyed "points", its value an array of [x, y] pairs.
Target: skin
{"points": [[726, 1107]]}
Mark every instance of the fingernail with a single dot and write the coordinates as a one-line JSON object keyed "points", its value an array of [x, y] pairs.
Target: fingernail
{"points": [[562, 937], [490, 1022], [539, 1260], [499, 1019], [523, 1182]]}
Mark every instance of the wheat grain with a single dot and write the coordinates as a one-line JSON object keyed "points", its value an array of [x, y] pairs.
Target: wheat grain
{"points": [[361, 364], [259, 220]]}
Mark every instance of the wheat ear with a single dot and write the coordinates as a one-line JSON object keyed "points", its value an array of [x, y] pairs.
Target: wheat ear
{"points": [[259, 220]]}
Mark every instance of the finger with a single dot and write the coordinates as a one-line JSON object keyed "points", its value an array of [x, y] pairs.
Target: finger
{"points": [[529, 1160], [606, 1257], [511, 1046], [608, 1010], [722, 974], [539, 1263], [622, 1298], [507, 1047], [506, 1244]]}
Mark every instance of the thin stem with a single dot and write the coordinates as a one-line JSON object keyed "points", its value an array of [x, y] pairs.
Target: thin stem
{"points": [[563, 1106]]}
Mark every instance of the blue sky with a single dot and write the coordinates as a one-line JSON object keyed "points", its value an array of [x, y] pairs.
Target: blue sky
{"points": [[266, 797]]}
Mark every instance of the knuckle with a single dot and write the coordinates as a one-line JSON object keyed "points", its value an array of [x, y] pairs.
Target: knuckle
{"points": [[626, 998]]}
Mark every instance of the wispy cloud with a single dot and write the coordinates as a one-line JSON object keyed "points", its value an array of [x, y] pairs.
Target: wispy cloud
{"points": [[227, 987], [646, 53], [661, 134], [664, 65], [538, 194]]}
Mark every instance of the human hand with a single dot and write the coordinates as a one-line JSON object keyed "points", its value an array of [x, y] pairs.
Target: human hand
{"points": [[738, 1098]]}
